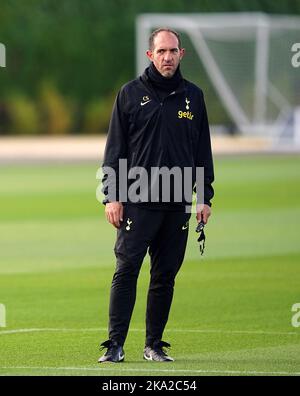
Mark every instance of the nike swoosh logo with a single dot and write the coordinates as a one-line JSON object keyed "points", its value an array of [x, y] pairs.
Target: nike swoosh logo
{"points": [[121, 357], [185, 227], [143, 103]]}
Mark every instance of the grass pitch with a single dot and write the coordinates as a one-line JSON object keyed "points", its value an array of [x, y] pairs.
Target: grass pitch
{"points": [[232, 308]]}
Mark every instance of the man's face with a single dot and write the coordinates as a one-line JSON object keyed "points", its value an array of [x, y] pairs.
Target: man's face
{"points": [[165, 53]]}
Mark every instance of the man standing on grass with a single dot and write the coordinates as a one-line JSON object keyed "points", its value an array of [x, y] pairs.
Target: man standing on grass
{"points": [[159, 121]]}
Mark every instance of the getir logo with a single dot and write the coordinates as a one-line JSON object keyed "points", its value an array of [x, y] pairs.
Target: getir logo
{"points": [[185, 114]]}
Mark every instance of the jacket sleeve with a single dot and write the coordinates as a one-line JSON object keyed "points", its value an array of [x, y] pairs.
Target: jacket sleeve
{"points": [[204, 155], [115, 149]]}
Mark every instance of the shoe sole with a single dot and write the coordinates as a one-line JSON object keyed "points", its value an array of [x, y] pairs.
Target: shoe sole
{"points": [[149, 358], [111, 361]]}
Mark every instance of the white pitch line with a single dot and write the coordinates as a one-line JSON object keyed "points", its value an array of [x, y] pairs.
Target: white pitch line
{"points": [[204, 331], [240, 372], [49, 329]]}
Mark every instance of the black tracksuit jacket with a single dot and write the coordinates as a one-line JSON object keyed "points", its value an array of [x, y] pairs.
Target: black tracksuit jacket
{"points": [[150, 132]]}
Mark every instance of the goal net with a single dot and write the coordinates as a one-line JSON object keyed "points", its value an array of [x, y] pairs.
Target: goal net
{"points": [[243, 63]]}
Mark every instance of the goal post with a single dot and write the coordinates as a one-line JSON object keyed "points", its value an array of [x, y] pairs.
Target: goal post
{"points": [[2, 55]]}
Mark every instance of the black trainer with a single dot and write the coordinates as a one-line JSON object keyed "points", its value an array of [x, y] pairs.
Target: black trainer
{"points": [[114, 353], [156, 352]]}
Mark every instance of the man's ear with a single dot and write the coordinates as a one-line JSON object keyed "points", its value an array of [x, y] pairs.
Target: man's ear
{"points": [[182, 52], [149, 54]]}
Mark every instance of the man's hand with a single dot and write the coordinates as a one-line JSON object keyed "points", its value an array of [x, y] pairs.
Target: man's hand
{"points": [[114, 213], [203, 213]]}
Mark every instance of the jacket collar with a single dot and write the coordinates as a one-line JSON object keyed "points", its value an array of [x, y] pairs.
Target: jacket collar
{"points": [[144, 79]]}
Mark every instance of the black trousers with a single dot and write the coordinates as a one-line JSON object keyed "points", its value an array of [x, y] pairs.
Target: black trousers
{"points": [[165, 234]]}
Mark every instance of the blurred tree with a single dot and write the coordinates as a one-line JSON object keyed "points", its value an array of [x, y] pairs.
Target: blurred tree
{"points": [[84, 47], [23, 115], [57, 113]]}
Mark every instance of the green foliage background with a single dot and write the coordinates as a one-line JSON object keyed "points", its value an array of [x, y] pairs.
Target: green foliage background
{"points": [[83, 51]]}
